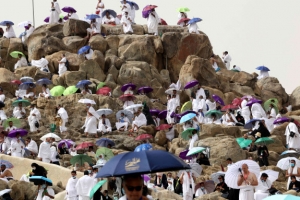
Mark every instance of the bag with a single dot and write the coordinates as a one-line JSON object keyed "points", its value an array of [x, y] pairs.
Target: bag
{"points": [[97, 12], [178, 187], [67, 64], [36, 124], [225, 195], [292, 134]]}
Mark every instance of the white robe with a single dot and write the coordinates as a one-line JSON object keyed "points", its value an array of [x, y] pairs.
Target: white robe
{"points": [[17, 112], [10, 33], [28, 33], [126, 28], [17, 148], [293, 142], [140, 120], [84, 185], [45, 93], [54, 15], [152, 23], [104, 127], [45, 152], [32, 119], [200, 92], [200, 192], [89, 55], [125, 122], [263, 74], [193, 28], [105, 20], [170, 134], [194, 138], [64, 117], [21, 63], [62, 66], [186, 190], [32, 146], [227, 60], [91, 121], [50, 192], [41, 64], [211, 105], [74, 16], [262, 190], [257, 111], [245, 111], [71, 189]]}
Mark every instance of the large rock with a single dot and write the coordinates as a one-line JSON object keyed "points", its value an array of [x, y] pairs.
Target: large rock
{"points": [[92, 70], [75, 27]]}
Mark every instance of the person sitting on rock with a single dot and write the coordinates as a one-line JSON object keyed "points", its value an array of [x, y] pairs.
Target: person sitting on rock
{"points": [[95, 29], [46, 92], [86, 90], [139, 120], [5, 174], [19, 112], [126, 22], [122, 123], [22, 62], [89, 54], [108, 19], [104, 125], [62, 65]]}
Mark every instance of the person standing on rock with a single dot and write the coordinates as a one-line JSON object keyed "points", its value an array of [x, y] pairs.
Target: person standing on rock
{"points": [[249, 181], [44, 151], [34, 118], [61, 111], [71, 187], [152, 22], [90, 123], [54, 13], [84, 185], [62, 65], [226, 59], [245, 110]]}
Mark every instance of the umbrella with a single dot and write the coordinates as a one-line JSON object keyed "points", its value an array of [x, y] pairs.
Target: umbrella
{"points": [[215, 176], [214, 112], [273, 101], [146, 177], [16, 122], [183, 9], [103, 91], [106, 152], [144, 90], [103, 142], [70, 90], [104, 111], [134, 106], [249, 124], [44, 81], [6, 163], [83, 50], [272, 175], [47, 19], [87, 101], [80, 159], [100, 85], [16, 132], [262, 68], [149, 7], [264, 141], [81, 84], [194, 20], [68, 9], [208, 185], [26, 79], [128, 85], [289, 153], [38, 179], [143, 147], [218, 99], [195, 150], [26, 85], [187, 133], [237, 101], [143, 137], [17, 82], [3, 23], [229, 106], [154, 112], [187, 117], [281, 120], [51, 135], [24, 23], [24, 102], [84, 145], [15, 54], [196, 169], [96, 188], [127, 114], [284, 163], [127, 97], [252, 101], [111, 12], [186, 106], [142, 162], [243, 142], [164, 127], [67, 142], [282, 197], [92, 16], [233, 172], [185, 20], [191, 83], [57, 91], [183, 155], [163, 114], [247, 97]]}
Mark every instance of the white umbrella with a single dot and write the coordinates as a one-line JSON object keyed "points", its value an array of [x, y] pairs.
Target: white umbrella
{"points": [[51, 135], [196, 169], [170, 91], [216, 175], [26, 79], [87, 101], [134, 106], [25, 23], [284, 163], [104, 111], [234, 172], [272, 175], [127, 113]]}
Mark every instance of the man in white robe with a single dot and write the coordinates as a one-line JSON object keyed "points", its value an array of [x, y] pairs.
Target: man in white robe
{"points": [[122, 123], [139, 120], [10, 32], [200, 91], [188, 185], [152, 22], [292, 142], [31, 146], [17, 147], [257, 111], [19, 112], [62, 65], [126, 22], [55, 11], [262, 189], [104, 125], [44, 151], [71, 187], [91, 121], [22, 62], [42, 64], [245, 111], [193, 28], [226, 59], [64, 117], [247, 181], [34, 117], [84, 185], [28, 32]]}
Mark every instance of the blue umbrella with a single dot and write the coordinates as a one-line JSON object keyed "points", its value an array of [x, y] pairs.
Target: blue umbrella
{"points": [[92, 16], [3, 23], [44, 81], [142, 162], [103, 142], [187, 117], [249, 124], [133, 4], [83, 50], [194, 20], [262, 68], [143, 147], [83, 83], [111, 12], [39, 179], [6, 163], [26, 85]]}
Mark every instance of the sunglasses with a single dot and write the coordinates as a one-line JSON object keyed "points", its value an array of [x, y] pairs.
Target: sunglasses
{"points": [[136, 188]]}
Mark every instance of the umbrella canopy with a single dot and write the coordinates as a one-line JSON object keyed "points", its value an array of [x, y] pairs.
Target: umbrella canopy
{"points": [[51, 135], [282, 197], [81, 159], [134, 106], [133, 5], [70, 90], [264, 141], [185, 20], [233, 172], [218, 99], [6, 163], [68, 143], [272, 175], [183, 155], [104, 142], [142, 162], [57, 91], [243, 142], [249, 124], [16, 122], [289, 153], [68, 9], [187, 133], [128, 85], [164, 127], [127, 114], [104, 91], [237, 101], [84, 49], [284, 163], [143, 147], [15, 133], [81, 84], [106, 152], [149, 7], [281, 120], [154, 112], [215, 176], [92, 16], [144, 90], [229, 106], [183, 9], [187, 117], [26, 79], [15, 54], [186, 106], [127, 97], [84, 145], [194, 20], [3, 23], [111, 12], [143, 137], [16, 82], [38, 179], [44, 81], [163, 114], [96, 187], [26, 85], [24, 103], [195, 150], [208, 185], [214, 112], [87, 101], [24, 23], [105, 111], [191, 83], [196, 169], [100, 85], [263, 68], [252, 101]]}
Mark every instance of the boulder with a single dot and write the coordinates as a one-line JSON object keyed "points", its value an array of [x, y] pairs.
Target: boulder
{"points": [[97, 42], [74, 43], [75, 27], [92, 70]]}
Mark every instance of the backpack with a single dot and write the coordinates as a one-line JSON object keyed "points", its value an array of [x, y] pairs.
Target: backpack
{"points": [[67, 64]]}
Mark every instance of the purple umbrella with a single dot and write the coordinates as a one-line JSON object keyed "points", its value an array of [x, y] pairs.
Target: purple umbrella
{"points": [[144, 90], [187, 112], [191, 84], [14, 133], [183, 156], [163, 114], [218, 99], [154, 112], [128, 85], [47, 19], [68, 9], [146, 13], [281, 120], [252, 101], [67, 142]]}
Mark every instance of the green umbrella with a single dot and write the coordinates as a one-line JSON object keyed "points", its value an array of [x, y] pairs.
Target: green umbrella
{"points": [[216, 112], [81, 159], [96, 187], [273, 101], [70, 90], [183, 9], [15, 54], [186, 106], [243, 142], [264, 140], [195, 150], [23, 101], [57, 91], [16, 122], [106, 152], [100, 85], [187, 133]]}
